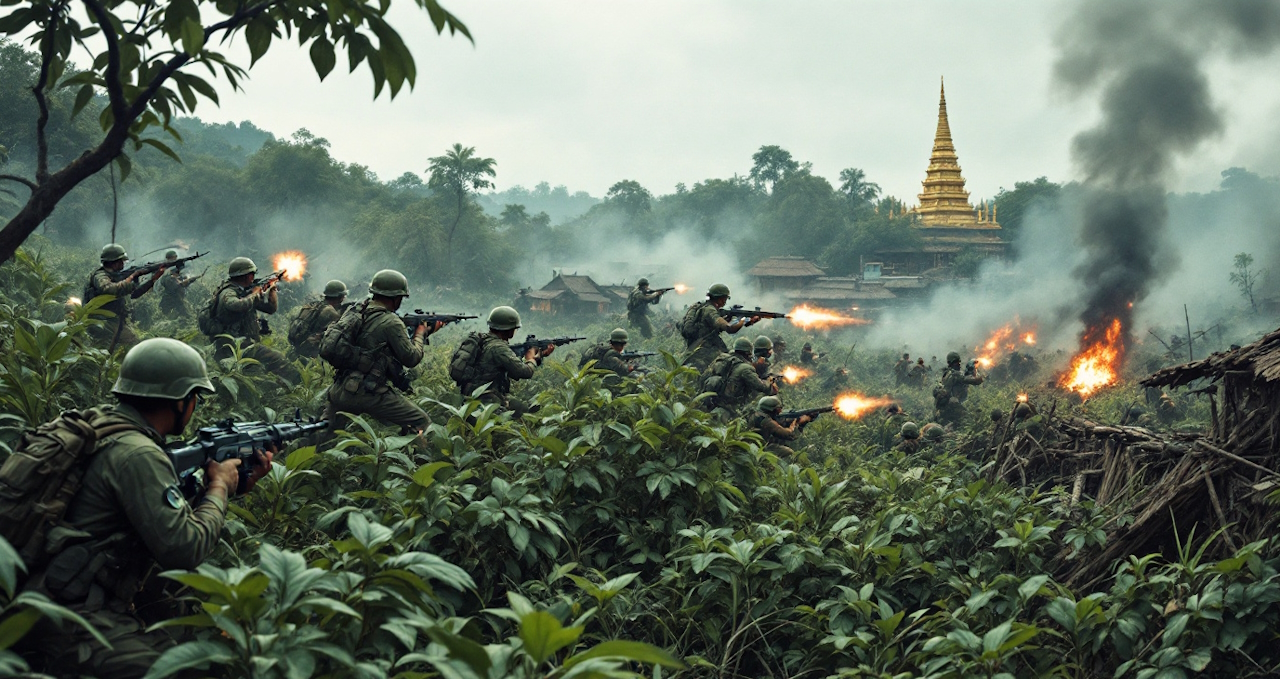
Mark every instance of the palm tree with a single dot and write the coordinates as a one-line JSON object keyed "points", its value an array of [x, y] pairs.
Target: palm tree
{"points": [[459, 172]]}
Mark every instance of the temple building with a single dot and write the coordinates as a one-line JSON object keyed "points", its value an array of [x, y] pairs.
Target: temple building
{"points": [[948, 224]]}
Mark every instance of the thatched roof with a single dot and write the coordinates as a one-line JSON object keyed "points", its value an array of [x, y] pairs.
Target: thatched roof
{"points": [[785, 267], [581, 287], [1261, 359], [839, 290]]}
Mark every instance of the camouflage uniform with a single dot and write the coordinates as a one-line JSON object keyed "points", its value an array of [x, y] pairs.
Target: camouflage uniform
{"points": [[740, 384], [497, 365], [638, 310], [773, 433], [901, 371], [237, 312], [707, 324], [104, 282], [325, 316], [173, 294], [919, 374], [606, 359], [956, 384], [132, 519], [387, 350]]}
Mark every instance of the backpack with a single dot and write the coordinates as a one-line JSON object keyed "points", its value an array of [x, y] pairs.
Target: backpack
{"points": [[464, 364], [716, 379], [941, 394], [688, 326], [303, 325], [593, 354], [207, 316], [635, 300], [338, 343], [44, 473]]}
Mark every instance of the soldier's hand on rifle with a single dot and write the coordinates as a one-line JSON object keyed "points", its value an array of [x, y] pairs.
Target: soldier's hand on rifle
{"points": [[548, 349], [223, 475], [420, 331], [132, 277], [753, 321], [773, 388], [531, 354], [158, 273], [804, 419], [435, 327], [262, 468]]}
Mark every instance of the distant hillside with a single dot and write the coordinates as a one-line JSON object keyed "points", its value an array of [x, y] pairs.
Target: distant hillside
{"points": [[558, 203]]}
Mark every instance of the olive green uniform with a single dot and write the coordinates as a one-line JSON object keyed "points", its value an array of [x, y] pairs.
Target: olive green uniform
{"points": [[606, 359], [918, 375], [326, 315], [807, 356], [387, 349], [131, 518], [104, 282], [638, 310], [740, 384], [237, 312], [497, 365], [173, 293], [956, 384], [705, 325], [901, 371], [774, 434]]}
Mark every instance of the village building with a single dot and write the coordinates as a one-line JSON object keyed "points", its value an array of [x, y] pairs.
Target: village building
{"points": [[573, 294], [784, 273]]}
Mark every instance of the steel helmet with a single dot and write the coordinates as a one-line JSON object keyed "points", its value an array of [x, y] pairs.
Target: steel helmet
{"points": [[742, 345], [335, 288], [162, 368], [618, 336], [932, 431], [998, 414], [953, 357], [171, 255], [113, 252], [1023, 410], [763, 342], [389, 283], [504, 318], [718, 290], [241, 266], [643, 282], [768, 404], [909, 430]]}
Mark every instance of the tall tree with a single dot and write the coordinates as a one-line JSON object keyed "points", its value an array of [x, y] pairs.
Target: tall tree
{"points": [[770, 165], [1245, 277], [144, 57], [457, 173], [860, 193], [629, 195]]}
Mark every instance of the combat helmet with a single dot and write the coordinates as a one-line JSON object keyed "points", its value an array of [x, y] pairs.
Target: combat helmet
{"points": [[389, 283], [718, 290], [763, 342], [170, 255], [909, 431], [504, 318], [953, 357], [161, 367], [113, 252], [335, 288], [1023, 410], [241, 266], [643, 283], [618, 336], [933, 431], [742, 345], [768, 404]]}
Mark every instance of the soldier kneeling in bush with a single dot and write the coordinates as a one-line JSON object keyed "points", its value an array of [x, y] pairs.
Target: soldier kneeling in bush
{"points": [[764, 421]]}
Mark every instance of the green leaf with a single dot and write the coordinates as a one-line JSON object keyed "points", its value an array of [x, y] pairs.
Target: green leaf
{"points": [[300, 457], [629, 650], [192, 37], [543, 635], [191, 655], [16, 626], [122, 161], [322, 56], [461, 648], [996, 636], [258, 35], [160, 146], [1032, 586], [10, 564], [83, 97], [1173, 630], [426, 474]]}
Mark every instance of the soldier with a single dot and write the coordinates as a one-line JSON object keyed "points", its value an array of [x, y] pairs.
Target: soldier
{"points": [[235, 310], [383, 351], [765, 423], [933, 434], [953, 389], [837, 380], [919, 375], [763, 349], [901, 370], [309, 325], [780, 346], [638, 307], [487, 358], [894, 416], [606, 355], [702, 325], [807, 356], [908, 438], [733, 380], [107, 280], [173, 289], [128, 519]]}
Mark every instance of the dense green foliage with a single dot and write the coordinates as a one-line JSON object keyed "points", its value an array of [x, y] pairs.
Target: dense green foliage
{"points": [[523, 547]]}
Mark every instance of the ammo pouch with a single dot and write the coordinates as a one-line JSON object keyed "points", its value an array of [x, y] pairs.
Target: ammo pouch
{"points": [[86, 574], [368, 376]]}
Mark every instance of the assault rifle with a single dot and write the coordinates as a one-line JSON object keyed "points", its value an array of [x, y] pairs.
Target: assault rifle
{"points": [[790, 415], [971, 368], [737, 311], [661, 290], [231, 440], [269, 280], [633, 355], [532, 342], [152, 267], [430, 318]]}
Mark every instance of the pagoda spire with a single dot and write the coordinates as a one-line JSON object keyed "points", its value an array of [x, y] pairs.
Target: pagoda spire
{"points": [[944, 201], [942, 138]]}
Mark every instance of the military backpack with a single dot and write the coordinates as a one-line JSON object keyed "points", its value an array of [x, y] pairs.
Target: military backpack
{"points": [[303, 325], [207, 316], [338, 343], [44, 472], [688, 326], [718, 373], [464, 364]]}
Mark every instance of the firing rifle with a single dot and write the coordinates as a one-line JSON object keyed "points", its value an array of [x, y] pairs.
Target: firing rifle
{"points": [[532, 342], [971, 368], [661, 291], [789, 415], [634, 355], [268, 281], [737, 311], [152, 267], [430, 318], [231, 440]]}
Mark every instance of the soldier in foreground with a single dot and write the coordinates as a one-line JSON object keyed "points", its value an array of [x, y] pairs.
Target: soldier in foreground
{"points": [[234, 311], [607, 355], [953, 389], [126, 518], [486, 358], [638, 306], [173, 289], [702, 325], [764, 421], [908, 438], [370, 349], [733, 380], [108, 280], [308, 327]]}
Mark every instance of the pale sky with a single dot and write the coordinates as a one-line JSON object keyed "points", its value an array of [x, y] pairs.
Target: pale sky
{"points": [[587, 93]]}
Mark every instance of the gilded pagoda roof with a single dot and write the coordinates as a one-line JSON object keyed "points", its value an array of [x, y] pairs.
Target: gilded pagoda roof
{"points": [[944, 202]]}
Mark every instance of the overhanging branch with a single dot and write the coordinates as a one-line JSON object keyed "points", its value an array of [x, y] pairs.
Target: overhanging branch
{"points": [[21, 180]]}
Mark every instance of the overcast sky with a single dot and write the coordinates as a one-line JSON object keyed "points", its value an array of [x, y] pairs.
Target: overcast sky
{"points": [[587, 93]]}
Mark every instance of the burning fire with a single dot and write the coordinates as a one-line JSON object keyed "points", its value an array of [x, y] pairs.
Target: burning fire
{"points": [[792, 374], [1029, 339], [1009, 338], [681, 288], [1098, 365], [807, 317], [854, 406], [1022, 398], [74, 301], [293, 263]]}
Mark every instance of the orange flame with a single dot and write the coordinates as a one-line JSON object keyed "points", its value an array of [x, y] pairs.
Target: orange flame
{"points": [[1029, 338], [807, 317], [1004, 340], [792, 374], [681, 288], [74, 301], [1022, 398], [1097, 366], [293, 263], [854, 406]]}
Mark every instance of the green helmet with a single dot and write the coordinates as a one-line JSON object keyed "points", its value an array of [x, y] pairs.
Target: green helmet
{"points": [[389, 283], [763, 342], [997, 414], [1023, 410], [171, 255], [504, 318], [335, 288], [718, 290], [162, 368], [953, 357], [643, 282], [113, 252], [909, 430], [742, 345], [241, 266], [618, 336], [768, 404], [932, 431]]}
